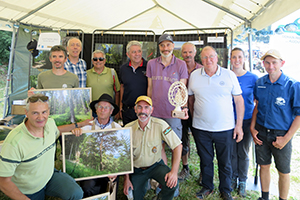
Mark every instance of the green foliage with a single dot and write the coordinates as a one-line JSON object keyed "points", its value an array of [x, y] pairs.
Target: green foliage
{"points": [[5, 43], [33, 81]]}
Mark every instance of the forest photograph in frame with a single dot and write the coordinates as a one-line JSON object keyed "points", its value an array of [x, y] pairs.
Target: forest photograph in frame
{"points": [[104, 196], [68, 105], [97, 153]]}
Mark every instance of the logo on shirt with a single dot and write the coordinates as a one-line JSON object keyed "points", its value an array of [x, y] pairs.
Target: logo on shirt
{"points": [[280, 101], [64, 85], [154, 150], [167, 130], [222, 83]]}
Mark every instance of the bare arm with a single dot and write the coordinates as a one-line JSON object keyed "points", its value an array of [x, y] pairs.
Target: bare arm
{"points": [[240, 109], [149, 89], [121, 98], [253, 131], [10, 189], [281, 141], [70, 127], [171, 177]]}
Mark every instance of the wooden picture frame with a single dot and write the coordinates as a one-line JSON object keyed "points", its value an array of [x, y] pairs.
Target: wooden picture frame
{"points": [[97, 153], [68, 105], [104, 196]]}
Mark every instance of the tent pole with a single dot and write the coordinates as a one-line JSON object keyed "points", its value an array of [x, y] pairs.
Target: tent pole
{"points": [[8, 77], [250, 48]]}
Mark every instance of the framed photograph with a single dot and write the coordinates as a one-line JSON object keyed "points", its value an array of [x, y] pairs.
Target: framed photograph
{"points": [[68, 105], [104, 196], [97, 153]]}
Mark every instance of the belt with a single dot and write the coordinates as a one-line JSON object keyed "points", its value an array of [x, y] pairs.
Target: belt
{"points": [[125, 107], [262, 128], [144, 168]]}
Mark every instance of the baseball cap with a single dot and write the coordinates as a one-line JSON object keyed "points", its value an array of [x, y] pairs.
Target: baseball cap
{"points": [[165, 37], [272, 52], [144, 98]]}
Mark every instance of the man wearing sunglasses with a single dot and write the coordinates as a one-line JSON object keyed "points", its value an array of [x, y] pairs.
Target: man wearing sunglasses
{"points": [[103, 79], [57, 77], [27, 158], [75, 64]]}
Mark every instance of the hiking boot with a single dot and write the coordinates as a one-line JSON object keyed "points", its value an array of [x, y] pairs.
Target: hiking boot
{"points": [[233, 184], [242, 189], [203, 193], [200, 179], [183, 174], [226, 196]]}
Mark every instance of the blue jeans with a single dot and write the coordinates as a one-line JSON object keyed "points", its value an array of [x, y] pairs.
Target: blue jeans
{"points": [[206, 141], [240, 157], [157, 171], [60, 185]]}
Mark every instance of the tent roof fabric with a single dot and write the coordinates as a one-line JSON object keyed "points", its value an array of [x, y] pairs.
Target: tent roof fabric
{"points": [[156, 15]]}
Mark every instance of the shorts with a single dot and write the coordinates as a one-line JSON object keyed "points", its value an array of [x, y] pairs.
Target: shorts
{"points": [[265, 151]]}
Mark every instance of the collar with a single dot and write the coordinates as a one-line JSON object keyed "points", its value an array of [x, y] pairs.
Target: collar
{"points": [[141, 65], [103, 72], [103, 126], [173, 61], [148, 126], [218, 72], [28, 133], [279, 81], [68, 60]]}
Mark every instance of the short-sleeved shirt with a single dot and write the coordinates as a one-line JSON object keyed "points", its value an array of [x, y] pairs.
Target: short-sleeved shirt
{"points": [[213, 108], [78, 69], [278, 102], [162, 78], [135, 82], [102, 83], [48, 80], [147, 144], [29, 160], [247, 83], [96, 127]]}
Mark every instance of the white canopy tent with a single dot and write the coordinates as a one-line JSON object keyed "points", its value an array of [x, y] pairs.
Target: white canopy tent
{"points": [[155, 15]]}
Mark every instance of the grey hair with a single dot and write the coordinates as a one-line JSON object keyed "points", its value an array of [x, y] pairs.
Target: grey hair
{"points": [[99, 51], [190, 44], [132, 43], [39, 100], [209, 47], [68, 44]]}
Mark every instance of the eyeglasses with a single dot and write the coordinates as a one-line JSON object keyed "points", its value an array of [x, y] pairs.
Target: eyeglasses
{"points": [[35, 99], [100, 59], [104, 107], [209, 57]]}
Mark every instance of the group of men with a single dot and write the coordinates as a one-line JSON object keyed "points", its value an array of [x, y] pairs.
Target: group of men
{"points": [[144, 86]]}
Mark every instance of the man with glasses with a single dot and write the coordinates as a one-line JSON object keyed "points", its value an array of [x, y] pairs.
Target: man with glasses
{"points": [[75, 64], [211, 90], [57, 77], [133, 81], [27, 158], [103, 79], [104, 107], [147, 134]]}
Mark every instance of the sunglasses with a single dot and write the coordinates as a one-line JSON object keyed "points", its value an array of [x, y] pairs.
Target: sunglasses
{"points": [[100, 59], [35, 99]]}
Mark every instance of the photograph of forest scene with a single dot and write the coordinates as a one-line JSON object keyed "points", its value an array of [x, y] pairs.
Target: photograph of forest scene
{"points": [[4, 130], [68, 105], [97, 153], [104, 196]]}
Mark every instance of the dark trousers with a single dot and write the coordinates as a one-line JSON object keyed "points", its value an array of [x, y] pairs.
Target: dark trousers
{"points": [[157, 171], [186, 124], [206, 141], [240, 157]]}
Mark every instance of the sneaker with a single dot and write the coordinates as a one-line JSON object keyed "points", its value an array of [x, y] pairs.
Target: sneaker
{"points": [[200, 179], [183, 174], [203, 193], [233, 184], [226, 196], [242, 189]]}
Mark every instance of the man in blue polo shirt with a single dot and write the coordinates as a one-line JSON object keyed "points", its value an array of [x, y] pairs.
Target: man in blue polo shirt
{"points": [[275, 120], [133, 81]]}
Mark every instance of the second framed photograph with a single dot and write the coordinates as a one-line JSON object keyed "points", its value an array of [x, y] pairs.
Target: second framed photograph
{"points": [[97, 153]]}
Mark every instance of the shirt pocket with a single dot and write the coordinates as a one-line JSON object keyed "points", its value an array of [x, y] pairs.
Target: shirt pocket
{"points": [[154, 148]]}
